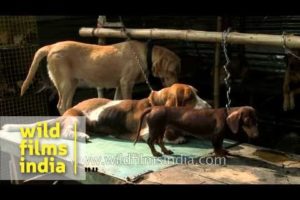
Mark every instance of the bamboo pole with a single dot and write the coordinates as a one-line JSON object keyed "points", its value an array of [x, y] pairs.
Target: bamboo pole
{"points": [[217, 68], [100, 22], [193, 35], [101, 40]]}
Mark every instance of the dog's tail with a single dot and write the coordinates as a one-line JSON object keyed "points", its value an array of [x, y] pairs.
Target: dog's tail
{"points": [[145, 112], [38, 56]]}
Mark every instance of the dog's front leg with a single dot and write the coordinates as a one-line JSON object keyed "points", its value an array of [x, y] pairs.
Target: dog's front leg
{"points": [[217, 142], [118, 94], [100, 92], [163, 148], [126, 89]]}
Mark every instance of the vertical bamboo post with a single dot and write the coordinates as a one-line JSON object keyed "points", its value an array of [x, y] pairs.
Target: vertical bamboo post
{"points": [[100, 23], [216, 92]]}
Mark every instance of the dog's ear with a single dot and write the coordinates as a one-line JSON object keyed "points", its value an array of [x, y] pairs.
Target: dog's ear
{"points": [[156, 61], [233, 121], [194, 89], [171, 101], [162, 60], [186, 97], [157, 67]]}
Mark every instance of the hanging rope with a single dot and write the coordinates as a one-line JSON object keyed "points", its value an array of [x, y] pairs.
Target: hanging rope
{"points": [[225, 66], [135, 55], [287, 50]]}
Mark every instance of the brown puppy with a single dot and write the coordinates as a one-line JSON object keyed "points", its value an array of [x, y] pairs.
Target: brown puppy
{"points": [[212, 123], [106, 66]]}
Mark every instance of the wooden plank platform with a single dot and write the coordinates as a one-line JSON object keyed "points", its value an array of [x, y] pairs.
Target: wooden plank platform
{"points": [[249, 165]]}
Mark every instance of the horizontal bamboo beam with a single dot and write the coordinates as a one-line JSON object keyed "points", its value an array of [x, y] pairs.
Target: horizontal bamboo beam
{"points": [[193, 35]]}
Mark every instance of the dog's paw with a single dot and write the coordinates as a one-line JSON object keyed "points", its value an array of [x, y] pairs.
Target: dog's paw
{"points": [[168, 152], [70, 135], [156, 154], [82, 137], [221, 153]]}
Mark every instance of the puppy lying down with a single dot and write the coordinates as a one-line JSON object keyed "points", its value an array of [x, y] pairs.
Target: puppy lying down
{"points": [[120, 118]]}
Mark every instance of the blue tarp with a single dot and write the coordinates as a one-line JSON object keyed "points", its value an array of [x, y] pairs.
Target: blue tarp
{"points": [[123, 160]]}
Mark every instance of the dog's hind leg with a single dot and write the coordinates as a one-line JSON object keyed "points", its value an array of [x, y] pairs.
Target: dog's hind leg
{"points": [[59, 74], [150, 143], [55, 77], [163, 148], [62, 101], [68, 87], [70, 93]]}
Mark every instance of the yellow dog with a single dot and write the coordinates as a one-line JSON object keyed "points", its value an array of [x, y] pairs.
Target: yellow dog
{"points": [[108, 66]]}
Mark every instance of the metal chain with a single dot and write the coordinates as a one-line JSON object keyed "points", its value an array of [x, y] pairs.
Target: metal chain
{"points": [[138, 60], [141, 67], [225, 66], [287, 50]]}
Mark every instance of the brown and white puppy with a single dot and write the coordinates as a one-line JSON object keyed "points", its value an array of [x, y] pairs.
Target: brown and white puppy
{"points": [[107, 66], [212, 123], [120, 118], [177, 95]]}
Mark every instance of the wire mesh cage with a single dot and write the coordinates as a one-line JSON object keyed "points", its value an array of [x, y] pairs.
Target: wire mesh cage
{"points": [[18, 43]]}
